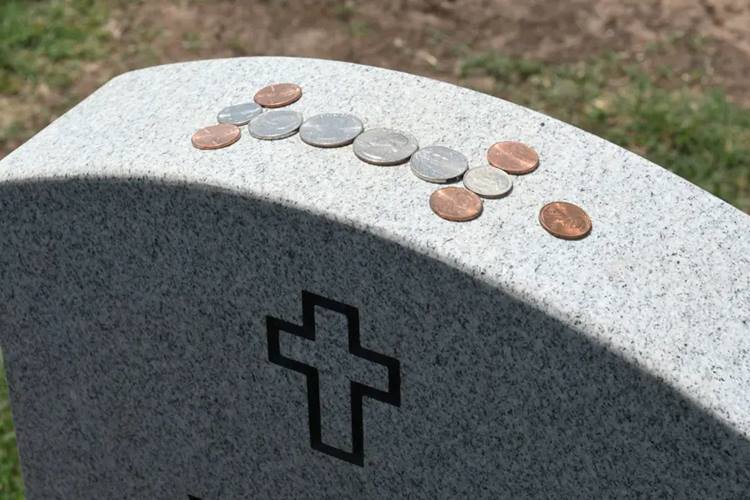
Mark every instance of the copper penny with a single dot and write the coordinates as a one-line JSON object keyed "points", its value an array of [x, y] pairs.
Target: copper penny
{"points": [[565, 220], [278, 95], [456, 204], [513, 157], [216, 136]]}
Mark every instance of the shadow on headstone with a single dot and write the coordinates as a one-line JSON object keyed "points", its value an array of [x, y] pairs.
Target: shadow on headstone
{"points": [[132, 319]]}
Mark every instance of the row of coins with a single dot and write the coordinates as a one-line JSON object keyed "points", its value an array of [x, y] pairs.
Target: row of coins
{"points": [[381, 146]]}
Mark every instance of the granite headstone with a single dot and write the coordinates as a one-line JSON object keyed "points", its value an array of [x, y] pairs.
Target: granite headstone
{"points": [[274, 320]]}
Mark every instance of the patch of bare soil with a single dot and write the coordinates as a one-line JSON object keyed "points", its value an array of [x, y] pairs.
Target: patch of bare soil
{"points": [[707, 37]]}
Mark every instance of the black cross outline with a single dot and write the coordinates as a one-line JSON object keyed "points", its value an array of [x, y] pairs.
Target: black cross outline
{"points": [[357, 391]]}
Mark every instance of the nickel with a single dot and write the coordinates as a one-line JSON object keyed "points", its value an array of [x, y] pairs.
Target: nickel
{"points": [[438, 164], [382, 146], [278, 124], [216, 136], [239, 114], [456, 204], [330, 130], [278, 95], [513, 157], [565, 220], [488, 182]]}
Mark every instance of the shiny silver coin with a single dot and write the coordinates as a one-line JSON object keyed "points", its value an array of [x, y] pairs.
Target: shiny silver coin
{"points": [[382, 146], [488, 182], [438, 164], [239, 114], [330, 130], [277, 124]]}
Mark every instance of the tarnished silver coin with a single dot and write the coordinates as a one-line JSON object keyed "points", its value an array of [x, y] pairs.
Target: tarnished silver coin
{"points": [[330, 130], [438, 164], [277, 124], [239, 114], [488, 182], [382, 146]]}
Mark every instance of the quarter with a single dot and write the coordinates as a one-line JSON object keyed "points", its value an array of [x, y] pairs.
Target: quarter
{"points": [[438, 164], [382, 146], [330, 130], [277, 124]]}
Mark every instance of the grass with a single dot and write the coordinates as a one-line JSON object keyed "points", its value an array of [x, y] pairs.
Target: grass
{"points": [[45, 41], [11, 484], [699, 135], [44, 45]]}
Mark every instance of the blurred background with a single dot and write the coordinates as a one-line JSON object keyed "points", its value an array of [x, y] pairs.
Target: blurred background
{"points": [[667, 79]]}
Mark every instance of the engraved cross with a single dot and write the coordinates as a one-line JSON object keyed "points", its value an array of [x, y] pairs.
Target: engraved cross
{"points": [[357, 390]]}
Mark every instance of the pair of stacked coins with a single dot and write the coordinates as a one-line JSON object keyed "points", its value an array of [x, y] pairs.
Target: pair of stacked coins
{"points": [[380, 146]]}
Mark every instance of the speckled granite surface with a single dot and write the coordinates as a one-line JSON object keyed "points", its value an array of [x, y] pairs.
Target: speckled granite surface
{"points": [[138, 274]]}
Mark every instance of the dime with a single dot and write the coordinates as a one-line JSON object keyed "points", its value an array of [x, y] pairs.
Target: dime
{"points": [[278, 95], [278, 124], [456, 204], [489, 182], [382, 146], [438, 164], [565, 220], [330, 130], [216, 136], [239, 114], [513, 157]]}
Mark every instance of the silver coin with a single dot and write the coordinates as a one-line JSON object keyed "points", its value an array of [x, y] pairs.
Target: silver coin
{"points": [[330, 130], [277, 124], [382, 146], [239, 114], [488, 182], [438, 164]]}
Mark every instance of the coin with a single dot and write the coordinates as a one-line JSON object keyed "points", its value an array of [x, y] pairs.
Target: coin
{"points": [[239, 114], [565, 220], [489, 182], [382, 146], [216, 136], [330, 130], [456, 204], [513, 157], [438, 164], [278, 124], [278, 95]]}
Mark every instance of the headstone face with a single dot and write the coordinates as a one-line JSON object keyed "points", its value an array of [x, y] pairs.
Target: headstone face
{"points": [[274, 320]]}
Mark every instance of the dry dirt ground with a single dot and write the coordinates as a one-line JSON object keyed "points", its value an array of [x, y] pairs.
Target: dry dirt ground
{"points": [[426, 36]]}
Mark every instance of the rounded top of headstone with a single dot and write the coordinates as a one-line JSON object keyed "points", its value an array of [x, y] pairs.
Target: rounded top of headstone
{"points": [[660, 247]]}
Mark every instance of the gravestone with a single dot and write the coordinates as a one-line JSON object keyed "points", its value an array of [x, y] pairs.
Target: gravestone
{"points": [[273, 320]]}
